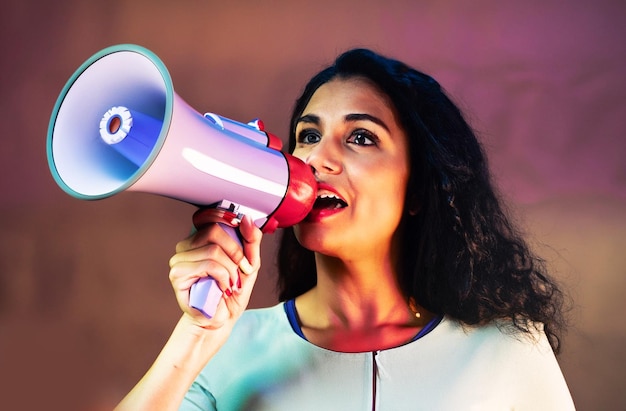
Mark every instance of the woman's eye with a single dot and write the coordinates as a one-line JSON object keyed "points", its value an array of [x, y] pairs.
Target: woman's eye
{"points": [[308, 136], [362, 138]]}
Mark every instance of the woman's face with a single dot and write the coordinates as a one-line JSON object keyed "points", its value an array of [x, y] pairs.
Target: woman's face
{"points": [[350, 135]]}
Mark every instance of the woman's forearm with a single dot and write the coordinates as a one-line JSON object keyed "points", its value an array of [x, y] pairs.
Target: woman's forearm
{"points": [[185, 354]]}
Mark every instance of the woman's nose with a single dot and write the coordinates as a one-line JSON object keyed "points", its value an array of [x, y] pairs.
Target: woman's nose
{"points": [[324, 157]]}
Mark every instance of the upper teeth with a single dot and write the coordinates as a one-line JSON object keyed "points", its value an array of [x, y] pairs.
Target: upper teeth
{"points": [[332, 196]]}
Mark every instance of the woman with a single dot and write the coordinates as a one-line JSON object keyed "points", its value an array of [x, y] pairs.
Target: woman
{"points": [[405, 288]]}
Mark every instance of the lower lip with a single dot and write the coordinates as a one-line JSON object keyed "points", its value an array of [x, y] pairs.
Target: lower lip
{"points": [[321, 213]]}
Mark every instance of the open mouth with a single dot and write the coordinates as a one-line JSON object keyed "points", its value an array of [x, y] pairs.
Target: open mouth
{"points": [[329, 202]]}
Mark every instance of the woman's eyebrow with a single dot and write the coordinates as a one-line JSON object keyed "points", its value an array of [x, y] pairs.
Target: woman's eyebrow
{"points": [[368, 117], [313, 119], [309, 118]]}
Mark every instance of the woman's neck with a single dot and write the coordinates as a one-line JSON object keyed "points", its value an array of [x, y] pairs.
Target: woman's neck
{"points": [[357, 307]]}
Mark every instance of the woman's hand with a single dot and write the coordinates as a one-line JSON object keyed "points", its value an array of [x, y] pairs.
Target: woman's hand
{"points": [[212, 252], [195, 339]]}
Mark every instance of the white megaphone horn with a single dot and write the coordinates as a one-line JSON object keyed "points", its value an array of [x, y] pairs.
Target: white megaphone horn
{"points": [[119, 126]]}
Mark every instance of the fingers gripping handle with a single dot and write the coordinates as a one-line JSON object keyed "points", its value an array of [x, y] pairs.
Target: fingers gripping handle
{"points": [[205, 294]]}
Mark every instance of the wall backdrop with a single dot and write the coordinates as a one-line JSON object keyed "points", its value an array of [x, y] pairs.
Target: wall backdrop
{"points": [[85, 302]]}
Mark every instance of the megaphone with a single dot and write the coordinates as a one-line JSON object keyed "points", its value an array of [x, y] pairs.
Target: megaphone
{"points": [[119, 126]]}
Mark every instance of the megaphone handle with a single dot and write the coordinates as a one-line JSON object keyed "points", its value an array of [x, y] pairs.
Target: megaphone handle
{"points": [[205, 294]]}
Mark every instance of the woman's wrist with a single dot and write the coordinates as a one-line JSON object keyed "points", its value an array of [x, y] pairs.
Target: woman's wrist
{"points": [[191, 345]]}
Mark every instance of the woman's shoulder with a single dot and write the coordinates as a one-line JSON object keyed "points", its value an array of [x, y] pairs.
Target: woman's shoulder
{"points": [[500, 334], [262, 324], [498, 342], [272, 313], [258, 330], [516, 353], [519, 364]]}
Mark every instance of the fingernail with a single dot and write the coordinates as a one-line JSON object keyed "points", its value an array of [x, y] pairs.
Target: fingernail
{"points": [[245, 266], [238, 282], [228, 292], [232, 286]]}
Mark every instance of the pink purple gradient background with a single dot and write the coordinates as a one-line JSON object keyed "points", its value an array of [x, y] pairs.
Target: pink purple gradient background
{"points": [[85, 303]]}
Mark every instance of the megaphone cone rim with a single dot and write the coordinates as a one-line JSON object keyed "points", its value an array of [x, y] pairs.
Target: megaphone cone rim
{"points": [[167, 117]]}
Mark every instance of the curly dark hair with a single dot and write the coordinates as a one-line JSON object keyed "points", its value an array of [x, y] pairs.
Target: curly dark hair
{"points": [[461, 255]]}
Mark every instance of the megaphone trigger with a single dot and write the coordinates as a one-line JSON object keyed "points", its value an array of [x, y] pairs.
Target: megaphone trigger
{"points": [[225, 212]]}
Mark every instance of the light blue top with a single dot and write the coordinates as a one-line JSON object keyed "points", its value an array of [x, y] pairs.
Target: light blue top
{"points": [[265, 365]]}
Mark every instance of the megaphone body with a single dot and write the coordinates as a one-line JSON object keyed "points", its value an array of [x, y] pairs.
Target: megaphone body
{"points": [[119, 126]]}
